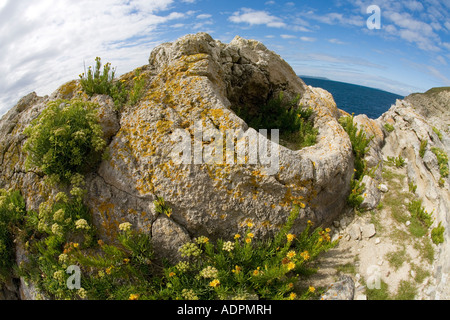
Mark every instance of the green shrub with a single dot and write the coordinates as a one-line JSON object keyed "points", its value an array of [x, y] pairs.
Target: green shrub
{"points": [[102, 82], [242, 268], [161, 207], [292, 121], [360, 144], [389, 127], [62, 224], [12, 210], [412, 187], [137, 91], [442, 159], [355, 199], [418, 212], [96, 81], [437, 234], [438, 133], [423, 148], [398, 162], [65, 139]]}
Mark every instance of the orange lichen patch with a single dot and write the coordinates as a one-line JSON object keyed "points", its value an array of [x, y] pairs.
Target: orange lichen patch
{"points": [[164, 126], [109, 224], [68, 90]]}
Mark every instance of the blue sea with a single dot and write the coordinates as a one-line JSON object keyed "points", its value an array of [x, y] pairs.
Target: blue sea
{"points": [[356, 99]]}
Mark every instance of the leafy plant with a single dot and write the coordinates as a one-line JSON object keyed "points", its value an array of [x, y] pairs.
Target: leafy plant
{"points": [[65, 139], [360, 144], [442, 159], [423, 148], [438, 133], [398, 162], [389, 127], [242, 268], [245, 268], [161, 207], [97, 81], [355, 199], [437, 234], [293, 121], [12, 210], [419, 212]]}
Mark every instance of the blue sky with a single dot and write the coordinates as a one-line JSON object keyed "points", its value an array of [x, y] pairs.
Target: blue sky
{"points": [[45, 43]]}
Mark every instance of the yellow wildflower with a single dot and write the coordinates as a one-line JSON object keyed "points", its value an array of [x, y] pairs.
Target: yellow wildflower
{"points": [[292, 296], [76, 245], [291, 254], [236, 270], [291, 266], [109, 270], [290, 237], [249, 224], [248, 240], [328, 230], [133, 297], [215, 283], [312, 289], [172, 274], [251, 235], [237, 236], [126, 260], [305, 255]]}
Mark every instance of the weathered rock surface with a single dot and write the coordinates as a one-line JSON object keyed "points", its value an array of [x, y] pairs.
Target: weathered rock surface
{"points": [[413, 120], [344, 289], [196, 80]]}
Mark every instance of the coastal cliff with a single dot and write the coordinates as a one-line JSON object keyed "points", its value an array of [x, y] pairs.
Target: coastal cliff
{"points": [[202, 89]]}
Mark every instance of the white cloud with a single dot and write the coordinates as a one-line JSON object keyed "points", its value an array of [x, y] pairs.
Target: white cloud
{"points": [[44, 42], [254, 17], [204, 16], [308, 39], [336, 41], [288, 36]]}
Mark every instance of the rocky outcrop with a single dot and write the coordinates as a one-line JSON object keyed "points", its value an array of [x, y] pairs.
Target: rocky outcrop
{"points": [[415, 121], [192, 83]]}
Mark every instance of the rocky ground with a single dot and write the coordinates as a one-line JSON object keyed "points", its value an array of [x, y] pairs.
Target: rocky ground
{"points": [[378, 257]]}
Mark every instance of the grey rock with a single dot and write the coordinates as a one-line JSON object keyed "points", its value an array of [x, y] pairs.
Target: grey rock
{"points": [[355, 232], [371, 193], [344, 289], [368, 231]]}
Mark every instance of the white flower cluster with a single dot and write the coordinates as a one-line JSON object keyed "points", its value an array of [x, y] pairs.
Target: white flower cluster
{"points": [[189, 294], [82, 224], [209, 273], [182, 266], [126, 226], [58, 216], [228, 246], [57, 230], [190, 249]]}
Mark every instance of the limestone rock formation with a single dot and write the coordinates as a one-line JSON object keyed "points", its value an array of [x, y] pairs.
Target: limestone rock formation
{"points": [[417, 119], [195, 81]]}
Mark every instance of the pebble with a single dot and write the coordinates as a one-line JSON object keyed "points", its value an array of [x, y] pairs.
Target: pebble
{"points": [[408, 223], [377, 241], [383, 188]]}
